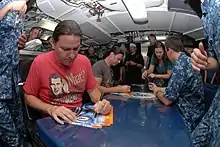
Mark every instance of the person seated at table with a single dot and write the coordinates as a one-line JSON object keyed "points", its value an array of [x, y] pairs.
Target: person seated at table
{"points": [[57, 79], [104, 74], [160, 66], [185, 87], [92, 55]]}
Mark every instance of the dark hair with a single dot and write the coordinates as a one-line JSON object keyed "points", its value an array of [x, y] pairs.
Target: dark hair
{"points": [[49, 38], [174, 43], [33, 28], [115, 49], [159, 44], [66, 27], [152, 35], [54, 76]]}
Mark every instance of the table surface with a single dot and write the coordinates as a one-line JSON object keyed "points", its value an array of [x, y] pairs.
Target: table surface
{"points": [[137, 123]]}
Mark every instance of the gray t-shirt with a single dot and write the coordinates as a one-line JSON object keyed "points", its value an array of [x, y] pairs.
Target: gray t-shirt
{"points": [[102, 70]]}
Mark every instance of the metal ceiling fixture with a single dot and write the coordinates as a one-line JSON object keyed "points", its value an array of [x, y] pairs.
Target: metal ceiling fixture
{"points": [[95, 8]]}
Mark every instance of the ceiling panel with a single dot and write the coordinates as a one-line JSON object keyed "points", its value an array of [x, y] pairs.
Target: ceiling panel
{"points": [[95, 33], [107, 25], [124, 22], [180, 6], [185, 22], [53, 8], [76, 15], [156, 22], [197, 34]]}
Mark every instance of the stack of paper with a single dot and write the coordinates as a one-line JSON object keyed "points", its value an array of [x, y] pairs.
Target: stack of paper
{"points": [[137, 95], [88, 118]]}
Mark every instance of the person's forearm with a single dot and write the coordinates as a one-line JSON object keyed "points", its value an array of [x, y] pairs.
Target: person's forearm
{"points": [[139, 65], [147, 61], [5, 10], [94, 94], [109, 89], [163, 76], [121, 72], [149, 71], [212, 64], [36, 103], [160, 96]]}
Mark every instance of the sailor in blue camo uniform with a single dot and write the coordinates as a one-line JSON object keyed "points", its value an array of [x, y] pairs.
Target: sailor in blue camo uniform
{"points": [[185, 87], [207, 133], [12, 129]]}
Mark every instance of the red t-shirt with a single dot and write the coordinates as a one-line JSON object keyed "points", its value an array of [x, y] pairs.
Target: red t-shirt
{"points": [[56, 84]]}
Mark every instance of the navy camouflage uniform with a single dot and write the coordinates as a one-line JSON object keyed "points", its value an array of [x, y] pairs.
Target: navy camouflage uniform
{"points": [[12, 129], [207, 133], [185, 88]]}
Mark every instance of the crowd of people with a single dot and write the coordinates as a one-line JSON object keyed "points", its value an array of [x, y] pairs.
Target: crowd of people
{"points": [[57, 87]]}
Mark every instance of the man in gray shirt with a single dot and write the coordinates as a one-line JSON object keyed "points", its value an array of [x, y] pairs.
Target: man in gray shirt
{"points": [[104, 74]]}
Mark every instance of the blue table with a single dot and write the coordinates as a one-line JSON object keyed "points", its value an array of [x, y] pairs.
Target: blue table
{"points": [[137, 123]]}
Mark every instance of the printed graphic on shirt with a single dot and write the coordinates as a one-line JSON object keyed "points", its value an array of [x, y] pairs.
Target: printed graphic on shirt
{"points": [[66, 89]]}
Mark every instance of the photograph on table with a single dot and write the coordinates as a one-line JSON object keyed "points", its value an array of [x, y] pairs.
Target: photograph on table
{"points": [[88, 118]]}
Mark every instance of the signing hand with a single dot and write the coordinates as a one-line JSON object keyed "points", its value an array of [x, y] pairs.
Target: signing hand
{"points": [[21, 41], [62, 114], [199, 58], [152, 75], [144, 75], [103, 107]]}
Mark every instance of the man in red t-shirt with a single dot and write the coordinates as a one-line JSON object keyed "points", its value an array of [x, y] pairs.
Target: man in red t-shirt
{"points": [[57, 79]]}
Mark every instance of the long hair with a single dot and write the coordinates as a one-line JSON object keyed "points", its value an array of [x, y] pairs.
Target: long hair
{"points": [[165, 59]]}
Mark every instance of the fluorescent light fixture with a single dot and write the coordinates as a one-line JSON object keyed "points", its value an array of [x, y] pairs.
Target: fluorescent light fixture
{"points": [[159, 38], [47, 24], [137, 10], [45, 36]]}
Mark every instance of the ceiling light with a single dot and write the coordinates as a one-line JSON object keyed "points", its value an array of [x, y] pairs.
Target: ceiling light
{"points": [[47, 24], [159, 38], [137, 10]]}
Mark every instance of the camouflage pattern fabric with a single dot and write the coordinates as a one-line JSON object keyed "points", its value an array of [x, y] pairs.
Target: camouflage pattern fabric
{"points": [[207, 133], [185, 88], [12, 129]]}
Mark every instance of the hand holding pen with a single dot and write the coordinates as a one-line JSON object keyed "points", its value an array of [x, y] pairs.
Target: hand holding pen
{"points": [[102, 106]]}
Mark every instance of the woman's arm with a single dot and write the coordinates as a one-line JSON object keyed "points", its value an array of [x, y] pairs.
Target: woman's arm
{"points": [[164, 76], [150, 69]]}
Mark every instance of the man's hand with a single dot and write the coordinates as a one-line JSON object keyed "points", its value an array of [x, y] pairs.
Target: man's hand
{"points": [[124, 88], [153, 87], [199, 58], [21, 41], [152, 75], [144, 74], [133, 63], [103, 107], [62, 114], [127, 63]]}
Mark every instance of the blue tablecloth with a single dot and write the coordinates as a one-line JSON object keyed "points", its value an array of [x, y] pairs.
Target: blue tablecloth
{"points": [[137, 123]]}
